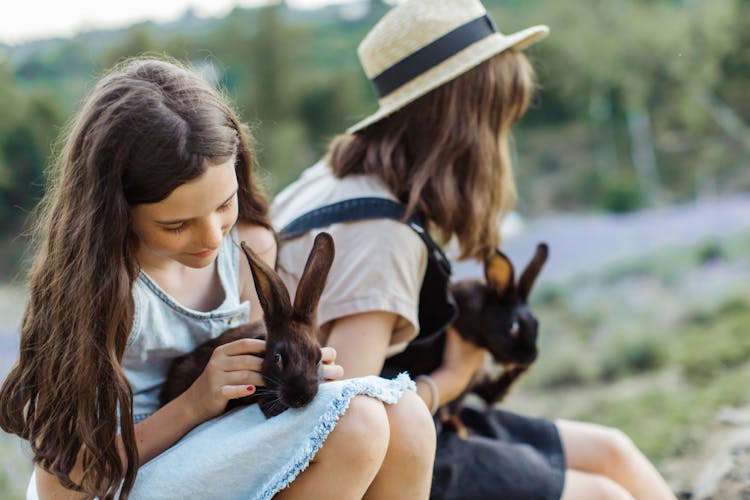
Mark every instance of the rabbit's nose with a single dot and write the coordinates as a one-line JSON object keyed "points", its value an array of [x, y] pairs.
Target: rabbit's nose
{"points": [[299, 391], [300, 400]]}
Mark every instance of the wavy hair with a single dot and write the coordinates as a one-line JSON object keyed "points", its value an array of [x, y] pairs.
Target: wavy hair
{"points": [[147, 127], [445, 155]]}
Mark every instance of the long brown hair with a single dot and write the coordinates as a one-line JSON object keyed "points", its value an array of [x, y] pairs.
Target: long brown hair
{"points": [[446, 154], [146, 128]]}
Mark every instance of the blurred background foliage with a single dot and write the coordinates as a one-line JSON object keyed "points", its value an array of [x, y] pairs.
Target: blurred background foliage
{"points": [[641, 102]]}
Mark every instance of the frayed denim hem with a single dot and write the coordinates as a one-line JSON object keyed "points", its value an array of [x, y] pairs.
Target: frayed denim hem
{"points": [[388, 393]]}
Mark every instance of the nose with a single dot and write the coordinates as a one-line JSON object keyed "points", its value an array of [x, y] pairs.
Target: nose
{"points": [[212, 233]]}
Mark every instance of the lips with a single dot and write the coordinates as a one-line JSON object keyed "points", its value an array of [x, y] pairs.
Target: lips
{"points": [[204, 253]]}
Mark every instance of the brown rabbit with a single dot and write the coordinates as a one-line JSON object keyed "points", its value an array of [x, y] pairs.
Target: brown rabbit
{"points": [[493, 314], [290, 362]]}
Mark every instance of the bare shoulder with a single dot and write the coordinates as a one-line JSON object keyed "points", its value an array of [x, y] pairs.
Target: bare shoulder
{"points": [[262, 240]]}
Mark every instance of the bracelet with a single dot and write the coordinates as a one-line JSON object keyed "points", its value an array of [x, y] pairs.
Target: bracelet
{"points": [[433, 390]]}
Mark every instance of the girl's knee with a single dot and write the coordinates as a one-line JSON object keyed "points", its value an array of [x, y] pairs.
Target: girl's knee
{"points": [[361, 434], [412, 429], [618, 450]]}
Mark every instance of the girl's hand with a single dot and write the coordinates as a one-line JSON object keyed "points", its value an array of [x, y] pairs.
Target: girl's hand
{"points": [[461, 358], [232, 372], [329, 370]]}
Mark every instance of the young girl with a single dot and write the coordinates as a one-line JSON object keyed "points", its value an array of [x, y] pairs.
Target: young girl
{"points": [[138, 263], [450, 86]]}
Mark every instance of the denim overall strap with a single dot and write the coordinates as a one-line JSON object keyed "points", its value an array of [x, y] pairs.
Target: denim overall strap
{"points": [[436, 305], [360, 209], [344, 211]]}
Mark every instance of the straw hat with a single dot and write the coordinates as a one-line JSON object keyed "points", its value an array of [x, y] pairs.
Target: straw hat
{"points": [[421, 44]]}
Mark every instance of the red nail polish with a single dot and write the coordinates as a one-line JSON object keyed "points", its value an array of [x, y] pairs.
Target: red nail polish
{"points": [[250, 388]]}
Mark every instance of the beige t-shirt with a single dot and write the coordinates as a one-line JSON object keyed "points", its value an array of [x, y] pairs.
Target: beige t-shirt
{"points": [[379, 263]]}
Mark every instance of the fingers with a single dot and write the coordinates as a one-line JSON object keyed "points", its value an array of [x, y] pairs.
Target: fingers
{"points": [[330, 372], [460, 356], [243, 378], [237, 391], [243, 346], [328, 369], [455, 341], [328, 355], [244, 362]]}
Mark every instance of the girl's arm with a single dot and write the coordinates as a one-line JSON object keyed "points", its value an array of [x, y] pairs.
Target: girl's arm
{"points": [[231, 369], [461, 359], [361, 341]]}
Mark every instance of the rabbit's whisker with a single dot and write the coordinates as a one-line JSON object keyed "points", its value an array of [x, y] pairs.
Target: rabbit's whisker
{"points": [[278, 404], [273, 380]]}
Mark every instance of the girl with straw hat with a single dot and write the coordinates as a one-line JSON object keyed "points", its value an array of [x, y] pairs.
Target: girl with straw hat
{"points": [[450, 86]]}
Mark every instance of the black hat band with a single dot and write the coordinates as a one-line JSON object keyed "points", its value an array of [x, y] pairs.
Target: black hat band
{"points": [[433, 54]]}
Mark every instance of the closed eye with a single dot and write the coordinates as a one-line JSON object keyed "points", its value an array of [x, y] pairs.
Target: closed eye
{"points": [[226, 206], [177, 229], [178, 226]]}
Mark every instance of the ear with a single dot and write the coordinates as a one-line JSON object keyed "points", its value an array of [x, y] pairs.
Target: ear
{"points": [[532, 271], [498, 271], [272, 294], [313, 279]]}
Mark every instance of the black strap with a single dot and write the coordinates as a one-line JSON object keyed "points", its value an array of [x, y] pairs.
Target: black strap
{"points": [[344, 211], [433, 54], [360, 209]]}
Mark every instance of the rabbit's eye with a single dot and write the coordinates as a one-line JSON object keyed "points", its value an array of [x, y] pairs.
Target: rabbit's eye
{"points": [[514, 328], [277, 359]]}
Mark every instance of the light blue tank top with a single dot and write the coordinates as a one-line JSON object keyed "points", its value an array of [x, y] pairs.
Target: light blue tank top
{"points": [[164, 329]]}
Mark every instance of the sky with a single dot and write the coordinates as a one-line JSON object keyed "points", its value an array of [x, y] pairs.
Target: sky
{"points": [[24, 20]]}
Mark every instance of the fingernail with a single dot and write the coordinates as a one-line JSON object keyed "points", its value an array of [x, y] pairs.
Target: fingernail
{"points": [[250, 388]]}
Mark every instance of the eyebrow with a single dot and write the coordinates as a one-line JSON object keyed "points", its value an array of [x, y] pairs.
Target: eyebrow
{"points": [[178, 221]]}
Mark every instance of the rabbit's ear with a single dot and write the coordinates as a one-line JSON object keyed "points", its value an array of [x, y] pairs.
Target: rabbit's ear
{"points": [[313, 279], [532, 271], [498, 271], [272, 294]]}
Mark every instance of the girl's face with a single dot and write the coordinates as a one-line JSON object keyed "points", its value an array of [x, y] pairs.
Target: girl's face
{"points": [[189, 225]]}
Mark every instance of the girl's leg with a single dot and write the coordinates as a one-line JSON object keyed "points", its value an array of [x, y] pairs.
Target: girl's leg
{"points": [[592, 487], [407, 469], [350, 457], [608, 452]]}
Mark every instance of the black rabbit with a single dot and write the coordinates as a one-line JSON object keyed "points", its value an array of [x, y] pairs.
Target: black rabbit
{"points": [[493, 314], [290, 362]]}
